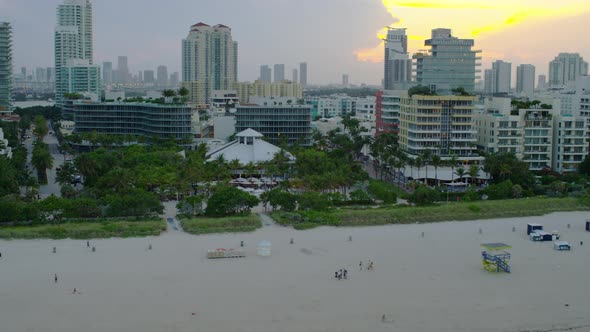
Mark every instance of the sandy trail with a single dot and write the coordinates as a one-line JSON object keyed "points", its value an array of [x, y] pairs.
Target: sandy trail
{"points": [[435, 283]]}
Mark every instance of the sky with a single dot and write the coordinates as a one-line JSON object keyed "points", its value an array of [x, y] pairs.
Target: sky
{"points": [[333, 36]]}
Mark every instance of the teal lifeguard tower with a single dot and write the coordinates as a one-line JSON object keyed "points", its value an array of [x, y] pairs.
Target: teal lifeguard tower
{"points": [[495, 258]]}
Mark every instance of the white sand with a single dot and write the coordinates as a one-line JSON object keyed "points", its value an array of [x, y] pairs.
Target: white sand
{"points": [[435, 283]]}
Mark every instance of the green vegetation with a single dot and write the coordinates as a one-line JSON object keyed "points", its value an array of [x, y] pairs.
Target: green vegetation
{"points": [[246, 223], [435, 213], [420, 90], [230, 201], [85, 229]]}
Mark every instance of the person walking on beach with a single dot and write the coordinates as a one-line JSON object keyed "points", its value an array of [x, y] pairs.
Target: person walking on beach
{"points": [[87, 244], [74, 292], [55, 278], [336, 275], [361, 266], [345, 273]]}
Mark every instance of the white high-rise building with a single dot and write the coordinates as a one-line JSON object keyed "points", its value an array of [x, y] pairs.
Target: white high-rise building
{"points": [[303, 73], [525, 80], [5, 67], [279, 73], [503, 76], [73, 38], [123, 74], [209, 61], [542, 83], [565, 69], [489, 81], [397, 62]]}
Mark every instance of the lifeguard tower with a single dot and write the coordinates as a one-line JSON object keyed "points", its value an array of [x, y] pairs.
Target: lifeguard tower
{"points": [[495, 258]]}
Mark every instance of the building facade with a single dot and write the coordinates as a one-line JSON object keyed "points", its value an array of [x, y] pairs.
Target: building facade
{"points": [[449, 63], [387, 111], [162, 78], [565, 69], [397, 62], [146, 119], [502, 77], [246, 90], [5, 67], [73, 38], [525, 80], [287, 122], [278, 73], [441, 124], [569, 142], [107, 73], [209, 61]]}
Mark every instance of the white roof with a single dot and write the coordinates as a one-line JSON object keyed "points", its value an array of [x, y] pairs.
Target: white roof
{"points": [[442, 173], [258, 152], [249, 133]]}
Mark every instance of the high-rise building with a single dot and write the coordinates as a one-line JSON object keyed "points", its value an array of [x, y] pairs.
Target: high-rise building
{"points": [[303, 73], [174, 78], [565, 69], [23, 72], [502, 75], [73, 38], [265, 74], [50, 74], [449, 63], [122, 70], [525, 79], [294, 76], [107, 72], [397, 62], [279, 73], [345, 79], [5, 67], [209, 61], [148, 77], [162, 75], [387, 107]]}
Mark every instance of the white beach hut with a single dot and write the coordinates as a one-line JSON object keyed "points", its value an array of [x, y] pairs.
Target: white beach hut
{"points": [[263, 248]]}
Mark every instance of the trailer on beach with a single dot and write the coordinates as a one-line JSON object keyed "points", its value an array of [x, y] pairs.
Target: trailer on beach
{"points": [[542, 236], [562, 245], [225, 253], [530, 228]]}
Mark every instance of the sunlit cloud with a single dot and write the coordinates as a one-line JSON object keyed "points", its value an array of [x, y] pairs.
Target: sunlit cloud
{"points": [[467, 18]]}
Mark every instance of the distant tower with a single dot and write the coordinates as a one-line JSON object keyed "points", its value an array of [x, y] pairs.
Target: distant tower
{"points": [[525, 79], [303, 73], [73, 38], [107, 72], [122, 70], [148, 77], [542, 84], [397, 63], [209, 61], [265, 73], [294, 76], [345, 79], [5, 67], [279, 73], [503, 74], [162, 75]]}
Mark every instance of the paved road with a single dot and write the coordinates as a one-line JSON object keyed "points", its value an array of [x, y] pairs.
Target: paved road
{"points": [[58, 159]]}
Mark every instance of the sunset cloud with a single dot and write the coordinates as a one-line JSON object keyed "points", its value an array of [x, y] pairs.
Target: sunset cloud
{"points": [[467, 18]]}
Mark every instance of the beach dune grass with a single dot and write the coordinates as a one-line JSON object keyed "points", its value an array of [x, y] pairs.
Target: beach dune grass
{"points": [[234, 224], [536, 206], [85, 229]]}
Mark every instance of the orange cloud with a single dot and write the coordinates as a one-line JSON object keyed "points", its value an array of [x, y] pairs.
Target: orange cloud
{"points": [[467, 18]]}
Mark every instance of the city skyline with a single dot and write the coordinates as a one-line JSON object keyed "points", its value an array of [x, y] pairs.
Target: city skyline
{"points": [[510, 40]]}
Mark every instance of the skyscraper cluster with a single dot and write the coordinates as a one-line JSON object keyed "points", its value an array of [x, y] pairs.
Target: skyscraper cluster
{"points": [[297, 76]]}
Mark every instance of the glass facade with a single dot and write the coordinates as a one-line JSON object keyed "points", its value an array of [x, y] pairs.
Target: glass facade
{"points": [[275, 122]]}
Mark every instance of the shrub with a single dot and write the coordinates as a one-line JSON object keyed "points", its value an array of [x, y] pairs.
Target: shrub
{"points": [[424, 195], [382, 191], [502, 190], [312, 200]]}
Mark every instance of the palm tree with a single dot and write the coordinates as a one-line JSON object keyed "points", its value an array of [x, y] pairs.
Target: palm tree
{"points": [[426, 156], [461, 173], [418, 162], [436, 162], [453, 163], [473, 172]]}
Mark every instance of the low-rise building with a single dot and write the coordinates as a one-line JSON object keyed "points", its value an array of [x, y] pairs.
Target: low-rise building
{"points": [[134, 118], [246, 90], [5, 149], [277, 122]]}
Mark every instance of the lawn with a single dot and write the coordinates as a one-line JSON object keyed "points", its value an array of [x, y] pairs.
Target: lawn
{"points": [[435, 213], [85, 229], [236, 224]]}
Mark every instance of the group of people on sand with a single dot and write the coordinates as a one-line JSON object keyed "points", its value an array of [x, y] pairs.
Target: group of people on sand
{"points": [[341, 274], [370, 266]]}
